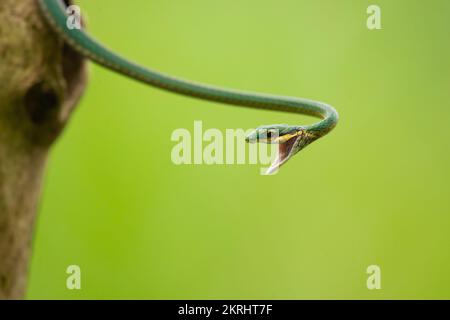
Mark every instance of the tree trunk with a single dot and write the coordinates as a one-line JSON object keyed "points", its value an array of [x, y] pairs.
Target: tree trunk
{"points": [[41, 80]]}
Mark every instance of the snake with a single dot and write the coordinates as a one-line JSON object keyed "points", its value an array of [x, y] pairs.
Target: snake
{"points": [[290, 138]]}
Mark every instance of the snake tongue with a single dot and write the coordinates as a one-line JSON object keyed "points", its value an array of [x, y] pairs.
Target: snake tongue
{"points": [[284, 154]]}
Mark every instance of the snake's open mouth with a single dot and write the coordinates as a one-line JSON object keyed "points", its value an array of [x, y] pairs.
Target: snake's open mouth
{"points": [[284, 154]]}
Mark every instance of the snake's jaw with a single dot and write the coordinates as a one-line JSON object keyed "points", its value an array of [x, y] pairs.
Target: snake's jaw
{"points": [[285, 152], [290, 141], [288, 148]]}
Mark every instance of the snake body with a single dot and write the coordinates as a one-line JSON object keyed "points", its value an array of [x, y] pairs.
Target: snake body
{"points": [[55, 13]]}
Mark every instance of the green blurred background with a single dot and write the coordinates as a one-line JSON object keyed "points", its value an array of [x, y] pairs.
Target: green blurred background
{"points": [[375, 191]]}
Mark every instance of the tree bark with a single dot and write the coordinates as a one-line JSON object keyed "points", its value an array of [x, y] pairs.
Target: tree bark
{"points": [[41, 80]]}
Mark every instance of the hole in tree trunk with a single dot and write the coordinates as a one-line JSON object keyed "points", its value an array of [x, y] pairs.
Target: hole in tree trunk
{"points": [[41, 103]]}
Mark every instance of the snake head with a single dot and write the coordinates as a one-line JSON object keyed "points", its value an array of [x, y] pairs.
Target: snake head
{"points": [[291, 139]]}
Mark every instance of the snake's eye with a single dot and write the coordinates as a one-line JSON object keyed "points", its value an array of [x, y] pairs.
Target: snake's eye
{"points": [[271, 133]]}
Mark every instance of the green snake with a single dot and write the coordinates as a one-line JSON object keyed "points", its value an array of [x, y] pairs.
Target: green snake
{"points": [[291, 139]]}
